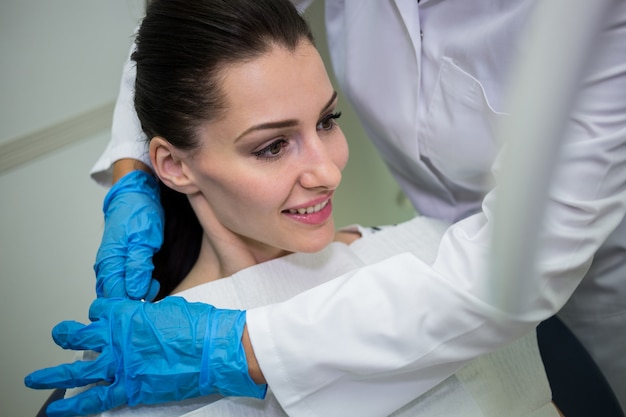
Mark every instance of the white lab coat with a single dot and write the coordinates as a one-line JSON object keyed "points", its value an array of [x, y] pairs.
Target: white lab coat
{"points": [[397, 328]]}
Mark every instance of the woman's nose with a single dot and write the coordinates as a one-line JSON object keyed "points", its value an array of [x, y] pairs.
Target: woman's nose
{"points": [[322, 165]]}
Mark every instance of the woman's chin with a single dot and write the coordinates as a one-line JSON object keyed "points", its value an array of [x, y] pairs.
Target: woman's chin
{"points": [[315, 245]]}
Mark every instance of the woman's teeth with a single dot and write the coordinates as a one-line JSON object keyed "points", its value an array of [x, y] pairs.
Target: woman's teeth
{"points": [[309, 210]]}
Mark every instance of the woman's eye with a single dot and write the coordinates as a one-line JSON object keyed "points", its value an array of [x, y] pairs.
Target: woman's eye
{"points": [[328, 122], [272, 150]]}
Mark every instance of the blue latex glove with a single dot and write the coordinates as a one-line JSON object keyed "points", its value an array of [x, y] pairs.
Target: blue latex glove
{"points": [[150, 353], [133, 232]]}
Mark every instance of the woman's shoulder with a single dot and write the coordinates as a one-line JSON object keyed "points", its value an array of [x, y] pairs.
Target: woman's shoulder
{"points": [[349, 234]]}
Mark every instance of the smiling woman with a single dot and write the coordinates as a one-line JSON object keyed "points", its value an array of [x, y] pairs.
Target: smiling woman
{"points": [[252, 157], [267, 191]]}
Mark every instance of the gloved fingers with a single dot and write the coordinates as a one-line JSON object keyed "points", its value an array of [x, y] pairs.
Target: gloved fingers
{"points": [[139, 269], [155, 287], [92, 401], [101, 309], [133, 214], [110, 271], [71, 375], [77, 336]]}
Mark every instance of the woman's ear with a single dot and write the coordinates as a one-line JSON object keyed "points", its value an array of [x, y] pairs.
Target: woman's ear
{"points": [[170, 166]]}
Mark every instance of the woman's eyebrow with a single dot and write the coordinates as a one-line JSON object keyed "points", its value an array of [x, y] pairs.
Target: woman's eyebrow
{"points": [[284, 123], [330, 103]]}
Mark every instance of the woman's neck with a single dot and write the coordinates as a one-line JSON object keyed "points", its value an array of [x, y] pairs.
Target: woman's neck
{"points": [[220, 258]]}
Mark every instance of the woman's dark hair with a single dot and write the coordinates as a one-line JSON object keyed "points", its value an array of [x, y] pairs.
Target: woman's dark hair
{"points": [[182, 47]]}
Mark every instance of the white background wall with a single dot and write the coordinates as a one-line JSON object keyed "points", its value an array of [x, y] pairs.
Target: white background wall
{"points": [[60, 59]]}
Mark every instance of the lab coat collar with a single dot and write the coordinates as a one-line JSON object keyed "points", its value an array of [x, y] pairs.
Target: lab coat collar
{"points": [[409, 11]]}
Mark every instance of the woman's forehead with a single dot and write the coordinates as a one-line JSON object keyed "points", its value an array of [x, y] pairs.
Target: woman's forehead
{"points": [[279, 74]]}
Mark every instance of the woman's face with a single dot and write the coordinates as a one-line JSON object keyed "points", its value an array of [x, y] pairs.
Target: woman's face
{"points": [[269, 167]]}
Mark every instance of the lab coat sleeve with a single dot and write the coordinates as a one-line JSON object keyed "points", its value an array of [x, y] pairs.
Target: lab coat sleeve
{"points": [[366, 343], [127, 138]]}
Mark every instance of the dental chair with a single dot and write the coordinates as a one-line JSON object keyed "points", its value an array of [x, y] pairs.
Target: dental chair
{"points": [[57, 394], [579, 388]]}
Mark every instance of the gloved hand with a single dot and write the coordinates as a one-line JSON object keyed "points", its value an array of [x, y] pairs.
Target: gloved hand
{"points": [[150, 353], [133, 232]]}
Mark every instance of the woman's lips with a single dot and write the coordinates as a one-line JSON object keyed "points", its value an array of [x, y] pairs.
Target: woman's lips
{"points": [[310, 209], [313, 214]]}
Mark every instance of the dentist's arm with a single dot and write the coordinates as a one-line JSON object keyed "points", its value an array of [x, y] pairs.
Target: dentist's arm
{"points": [[254, 370], [133, 229], [124, 166]]}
